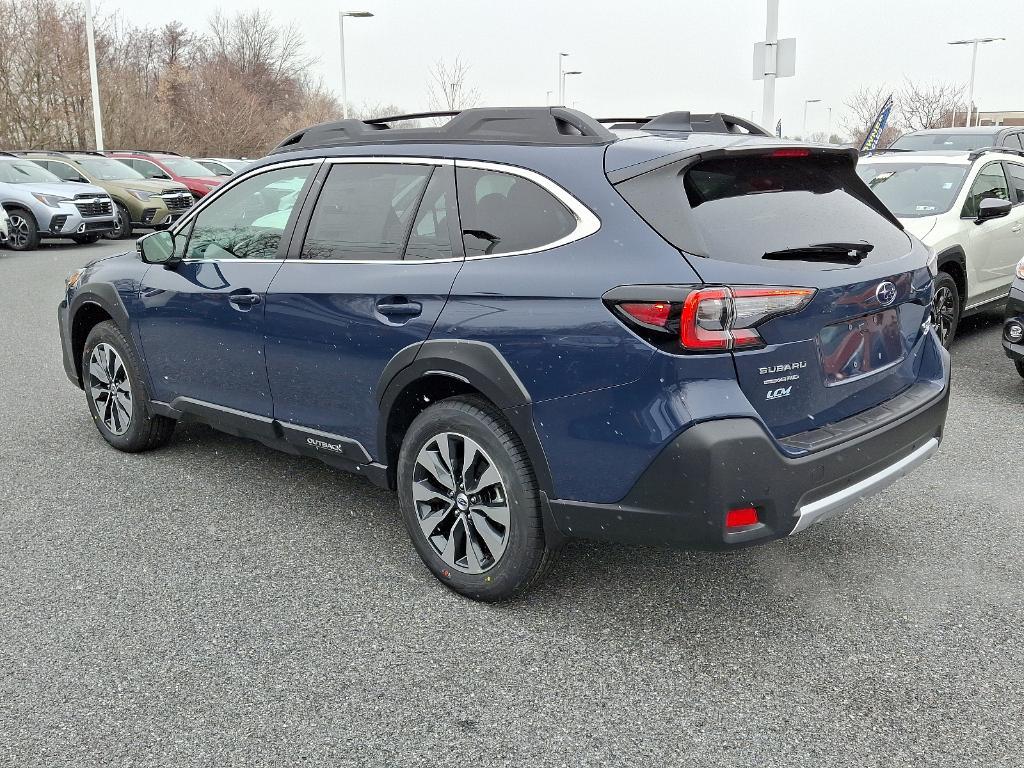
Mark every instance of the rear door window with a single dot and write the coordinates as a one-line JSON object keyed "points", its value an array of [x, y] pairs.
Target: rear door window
{"points": [[502, 213], [365, 212], [1016, 172]]}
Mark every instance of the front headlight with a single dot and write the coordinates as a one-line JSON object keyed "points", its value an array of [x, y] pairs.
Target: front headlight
{"points": [[142, 195], [53, 201], [1020, 269], [933, 263], [72, 279]]}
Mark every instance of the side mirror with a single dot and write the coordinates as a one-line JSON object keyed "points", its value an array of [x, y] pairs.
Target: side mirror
{"points": [[992, 208], [157, 248]]}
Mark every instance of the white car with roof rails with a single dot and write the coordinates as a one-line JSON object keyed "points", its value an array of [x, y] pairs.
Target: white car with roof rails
{"points": [[969, 208]]}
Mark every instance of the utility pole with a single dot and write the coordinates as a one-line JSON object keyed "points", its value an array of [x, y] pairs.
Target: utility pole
{"points": [[771, 39], [94, 82], [561, 80]]}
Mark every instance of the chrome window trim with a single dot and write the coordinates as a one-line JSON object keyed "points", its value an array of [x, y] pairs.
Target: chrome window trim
{"points": [[587, 223]]}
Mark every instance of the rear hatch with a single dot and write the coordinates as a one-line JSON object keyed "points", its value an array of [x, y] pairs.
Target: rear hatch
{"points": [[771, 216]]}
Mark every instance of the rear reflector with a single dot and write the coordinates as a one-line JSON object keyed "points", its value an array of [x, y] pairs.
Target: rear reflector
{"points": [[739, 518]]}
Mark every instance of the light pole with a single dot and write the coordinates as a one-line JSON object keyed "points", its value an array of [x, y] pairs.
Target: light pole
{"points": [[94, 83], [771, 37], [341, 37], [829, 129], [803, 132], [561, 79], [974, 61], [565, 75], [549, 98]]}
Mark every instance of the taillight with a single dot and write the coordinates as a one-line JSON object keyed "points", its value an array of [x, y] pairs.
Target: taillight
{"points": [[712, 319]]}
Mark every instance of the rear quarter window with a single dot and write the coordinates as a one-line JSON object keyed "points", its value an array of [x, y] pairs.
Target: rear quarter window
{"points": [[504, 213]]}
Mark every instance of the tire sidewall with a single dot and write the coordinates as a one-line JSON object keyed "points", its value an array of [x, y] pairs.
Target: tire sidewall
{"points": [[33, 230], [137, 432], [123, 222], [943, 280], [519, 560]]}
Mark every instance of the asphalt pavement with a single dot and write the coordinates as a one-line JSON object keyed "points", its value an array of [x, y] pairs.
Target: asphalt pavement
{"points": [[217, 603]]}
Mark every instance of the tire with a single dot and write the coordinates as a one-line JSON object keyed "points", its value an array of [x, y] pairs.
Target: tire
{"points": [[946, 307], [505, 559], [1019, 364], [85, 239], [122, 223], [24, 234], [128, 424]]}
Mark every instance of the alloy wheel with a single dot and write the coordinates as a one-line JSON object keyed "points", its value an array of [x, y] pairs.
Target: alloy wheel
{"points": [[461, 503], [19, 234], [944, 313], [110, 388]]}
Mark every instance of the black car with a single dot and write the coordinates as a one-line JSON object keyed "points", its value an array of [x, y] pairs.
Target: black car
{"points": [[962, 139], [1013, 330]]}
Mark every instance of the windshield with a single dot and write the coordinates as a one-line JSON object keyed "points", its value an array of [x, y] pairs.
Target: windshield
{"points": [[184, 166], [914, 189], [951, 141], [106, 169], [25, 172]]}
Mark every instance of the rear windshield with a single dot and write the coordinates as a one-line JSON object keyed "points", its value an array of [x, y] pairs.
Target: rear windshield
{"points": [[914, 189], [740, 208], [951, 141]]}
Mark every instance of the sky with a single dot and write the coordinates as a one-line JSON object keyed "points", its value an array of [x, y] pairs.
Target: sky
{"points": [[643, 57]]}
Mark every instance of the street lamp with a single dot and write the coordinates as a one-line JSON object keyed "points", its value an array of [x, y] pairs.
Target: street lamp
{"points": [[565, 75], [974, 60], [803, 133], [561, 79], [94, 83], [341, 36]]}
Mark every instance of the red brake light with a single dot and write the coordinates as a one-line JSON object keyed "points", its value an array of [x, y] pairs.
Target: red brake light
{"points": [[702, 311], [739, 518], [656, 313], [791, 152]]}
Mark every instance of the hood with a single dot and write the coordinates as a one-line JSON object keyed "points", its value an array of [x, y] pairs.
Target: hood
{"points": [[210, 181], [919, 226], [64, 189], [147, 185]]}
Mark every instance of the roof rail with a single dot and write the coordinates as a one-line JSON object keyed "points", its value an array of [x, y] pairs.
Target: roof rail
{"points": [[976, 153], [508, 125], [883, 150], [683, 121], [59, 152], [146, 151], [7, 154]]}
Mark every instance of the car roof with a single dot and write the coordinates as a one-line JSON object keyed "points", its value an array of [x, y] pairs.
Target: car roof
{"points": [[945, 156], [989, 129]]}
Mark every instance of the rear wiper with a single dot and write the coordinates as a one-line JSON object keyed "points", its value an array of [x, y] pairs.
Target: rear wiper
{"points": [[841, 252]]}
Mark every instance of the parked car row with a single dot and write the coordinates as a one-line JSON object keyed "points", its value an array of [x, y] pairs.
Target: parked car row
{"points": [[961, 192], [84, 195]]}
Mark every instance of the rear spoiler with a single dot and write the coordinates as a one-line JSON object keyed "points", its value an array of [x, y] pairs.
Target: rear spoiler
{"points": [[740, 148]]}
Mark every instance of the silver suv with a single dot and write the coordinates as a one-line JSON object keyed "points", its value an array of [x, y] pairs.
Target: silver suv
{"points": [[40, 205]]}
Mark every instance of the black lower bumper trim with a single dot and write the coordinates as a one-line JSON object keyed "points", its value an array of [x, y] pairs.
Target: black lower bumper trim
{"points": [[715, 466]]}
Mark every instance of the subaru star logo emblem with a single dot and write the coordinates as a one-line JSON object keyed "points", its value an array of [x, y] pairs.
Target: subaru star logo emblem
{"points": [[885, 293]]}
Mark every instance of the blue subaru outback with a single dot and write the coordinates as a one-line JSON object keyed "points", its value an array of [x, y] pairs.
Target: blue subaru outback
{"points": [[535, 325]]}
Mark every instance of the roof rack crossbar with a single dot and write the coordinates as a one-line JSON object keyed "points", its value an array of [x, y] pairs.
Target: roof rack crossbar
{"points": [[518, 125], [976, 153], [687, 122]]}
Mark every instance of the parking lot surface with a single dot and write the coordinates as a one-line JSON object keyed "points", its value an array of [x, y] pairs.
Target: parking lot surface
{"points": [[217, 603]]}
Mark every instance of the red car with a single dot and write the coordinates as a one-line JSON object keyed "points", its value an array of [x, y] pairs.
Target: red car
{"points": [[170, 165]]}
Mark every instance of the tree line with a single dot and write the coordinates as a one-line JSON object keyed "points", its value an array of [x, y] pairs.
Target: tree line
{"points": [[233, 90]]}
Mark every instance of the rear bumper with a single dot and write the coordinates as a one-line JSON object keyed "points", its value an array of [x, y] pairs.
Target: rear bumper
{"points": [[715, 466]]}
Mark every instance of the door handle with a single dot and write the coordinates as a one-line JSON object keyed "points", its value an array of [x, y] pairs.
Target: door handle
{"points": [[1015, 228], [244, 301], [396, 306]]}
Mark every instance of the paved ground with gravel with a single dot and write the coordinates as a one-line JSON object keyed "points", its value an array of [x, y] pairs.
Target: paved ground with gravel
{"points": [[216, 603]]}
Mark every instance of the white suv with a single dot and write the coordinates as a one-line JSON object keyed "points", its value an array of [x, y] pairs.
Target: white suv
{"points": [[969, 208], [5, 225]]}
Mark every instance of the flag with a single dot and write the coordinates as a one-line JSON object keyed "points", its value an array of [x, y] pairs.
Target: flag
{"points": [[778, 128], [875, 131]]}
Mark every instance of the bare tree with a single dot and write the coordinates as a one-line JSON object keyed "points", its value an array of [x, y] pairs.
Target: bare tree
{"points": [[863, 107], [929, 105], [449, 88]]}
